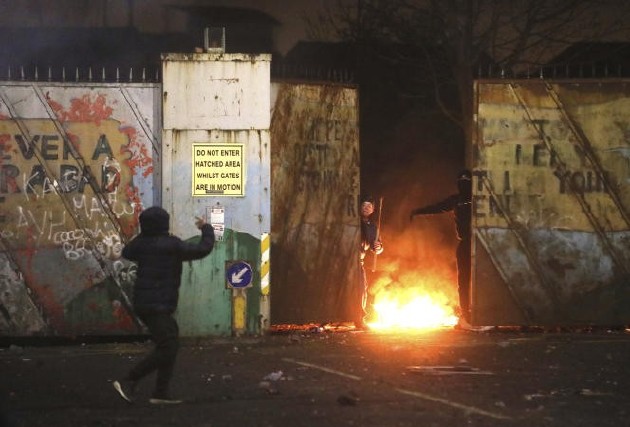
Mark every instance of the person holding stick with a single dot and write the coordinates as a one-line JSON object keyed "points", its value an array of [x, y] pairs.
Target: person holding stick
{"points": [[370, 241]]}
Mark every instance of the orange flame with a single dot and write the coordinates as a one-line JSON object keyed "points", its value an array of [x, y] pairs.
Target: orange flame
{"points": [[421, 312], [412, 300]]}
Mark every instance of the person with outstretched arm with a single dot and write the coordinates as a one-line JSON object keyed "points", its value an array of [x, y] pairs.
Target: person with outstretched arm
{"points": [[159, 257], [460, 205]]}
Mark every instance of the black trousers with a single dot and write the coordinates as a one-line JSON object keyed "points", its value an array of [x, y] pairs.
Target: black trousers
{"points": [[165, 335], [463, 276]]}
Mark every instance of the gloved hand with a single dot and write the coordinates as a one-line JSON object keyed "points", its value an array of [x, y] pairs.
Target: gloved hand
{"points": [[377, 247]]}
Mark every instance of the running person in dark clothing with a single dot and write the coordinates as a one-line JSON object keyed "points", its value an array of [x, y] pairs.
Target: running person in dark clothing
{"points": [[460, 205], [159, 257]]}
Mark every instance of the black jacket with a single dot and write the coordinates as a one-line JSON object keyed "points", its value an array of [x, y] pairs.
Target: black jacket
{"points": [[159, 256], [457, 203]]}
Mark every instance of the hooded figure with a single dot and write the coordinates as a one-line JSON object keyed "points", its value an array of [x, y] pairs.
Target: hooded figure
{"points": [[159, 257], [460, 205]]}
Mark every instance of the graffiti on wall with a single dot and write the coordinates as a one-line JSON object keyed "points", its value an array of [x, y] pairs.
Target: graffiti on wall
{"points": [[539, 168], [315, 224], [317, 149], [69, 200], [551, 203]]}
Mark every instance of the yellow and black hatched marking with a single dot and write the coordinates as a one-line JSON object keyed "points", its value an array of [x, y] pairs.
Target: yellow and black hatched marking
{"points": [[264, 263]]}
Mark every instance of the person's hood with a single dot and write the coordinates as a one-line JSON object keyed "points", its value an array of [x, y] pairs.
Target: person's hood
{"points": [[154, 221], [464, 183]]}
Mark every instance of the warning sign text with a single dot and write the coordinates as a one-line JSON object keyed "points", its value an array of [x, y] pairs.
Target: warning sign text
{"points": [[218, 170]]}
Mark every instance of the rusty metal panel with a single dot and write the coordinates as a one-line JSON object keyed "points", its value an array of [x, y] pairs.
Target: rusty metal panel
{"points": [[205, 301], [207, 306], [76, 168], [551, 208], [227, 91], [315, 185]]}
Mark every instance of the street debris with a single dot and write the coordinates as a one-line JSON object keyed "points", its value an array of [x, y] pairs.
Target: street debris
{"points": [[266, 385], [274, 376], [348, 399], [589, 392], [447, 370], [566, 392]]}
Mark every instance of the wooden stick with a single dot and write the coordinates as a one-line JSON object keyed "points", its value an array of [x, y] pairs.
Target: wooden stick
{"points": [[378, 229]]}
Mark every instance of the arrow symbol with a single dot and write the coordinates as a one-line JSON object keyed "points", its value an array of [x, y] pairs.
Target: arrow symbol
{"points": [[238, 276]]}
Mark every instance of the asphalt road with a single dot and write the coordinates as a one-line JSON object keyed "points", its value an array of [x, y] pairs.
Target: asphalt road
{"points": [[320, 378]]}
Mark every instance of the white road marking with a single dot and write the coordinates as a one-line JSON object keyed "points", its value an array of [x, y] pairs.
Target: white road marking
{"points": [[322, 368], [465, 408]]}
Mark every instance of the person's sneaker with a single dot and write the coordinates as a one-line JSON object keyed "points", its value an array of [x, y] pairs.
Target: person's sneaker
{"points": [[164, 400], [125, 389]]}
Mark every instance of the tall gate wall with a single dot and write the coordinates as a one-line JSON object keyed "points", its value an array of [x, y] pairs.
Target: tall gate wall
{"points": [[78, 162], [551, 206]]}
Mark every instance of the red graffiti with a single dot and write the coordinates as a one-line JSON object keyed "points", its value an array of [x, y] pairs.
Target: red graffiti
{"points": [[4, 147], [43, 295], [134, 199], [83, 109], [138, 156], [123, 320], [30, 248], [49, 301]]}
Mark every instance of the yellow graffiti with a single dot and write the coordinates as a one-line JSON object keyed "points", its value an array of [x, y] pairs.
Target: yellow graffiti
{"points": [[52, 184]]}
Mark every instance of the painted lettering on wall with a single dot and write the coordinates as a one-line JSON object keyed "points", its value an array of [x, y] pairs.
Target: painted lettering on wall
{"points": [[53, 186], [541, 172], [322, 154]]}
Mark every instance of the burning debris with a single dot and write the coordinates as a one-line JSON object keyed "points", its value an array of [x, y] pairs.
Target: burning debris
{"points": [[412, 300]]}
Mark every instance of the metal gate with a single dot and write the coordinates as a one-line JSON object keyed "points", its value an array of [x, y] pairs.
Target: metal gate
{"points": [[315, 185], [551, 217], [78, 162]]}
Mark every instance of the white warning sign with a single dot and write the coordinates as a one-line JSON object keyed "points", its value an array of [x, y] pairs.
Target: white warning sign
{"points": [[218, 170]]}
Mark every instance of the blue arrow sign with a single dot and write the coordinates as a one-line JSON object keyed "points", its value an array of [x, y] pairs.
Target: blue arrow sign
{"points": [[239, 274]]}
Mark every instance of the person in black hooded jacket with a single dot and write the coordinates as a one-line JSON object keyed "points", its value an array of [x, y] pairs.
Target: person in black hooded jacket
{"points": [[159, 257], [460, 205]]}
